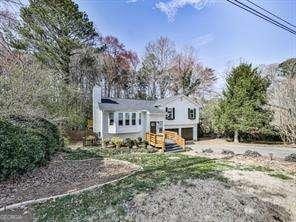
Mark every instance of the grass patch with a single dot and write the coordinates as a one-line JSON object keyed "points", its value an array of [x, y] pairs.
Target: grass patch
{"points": [[107, 203], [252, 168], [99, 152], [280, 176]]}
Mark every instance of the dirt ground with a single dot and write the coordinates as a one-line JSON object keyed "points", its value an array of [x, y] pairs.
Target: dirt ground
{"points": [[277, 164], [249, 195], [61, 176], [267, 188], [203, 200], [217, 145]]}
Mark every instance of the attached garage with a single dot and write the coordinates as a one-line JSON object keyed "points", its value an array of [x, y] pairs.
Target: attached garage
{"points": [[173, 130], [187, 133]]}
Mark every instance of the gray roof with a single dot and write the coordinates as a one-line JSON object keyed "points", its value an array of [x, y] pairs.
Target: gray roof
{"points": [[115, 104]]}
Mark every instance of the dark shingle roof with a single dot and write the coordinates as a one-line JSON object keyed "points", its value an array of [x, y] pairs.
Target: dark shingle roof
{"points": [[115, 104]]}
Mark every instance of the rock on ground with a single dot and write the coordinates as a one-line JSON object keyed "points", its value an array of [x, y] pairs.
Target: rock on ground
{"points": [[202, 200]]}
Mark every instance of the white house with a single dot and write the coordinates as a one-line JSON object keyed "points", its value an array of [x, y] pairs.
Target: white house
{"points": [[132, 118]]}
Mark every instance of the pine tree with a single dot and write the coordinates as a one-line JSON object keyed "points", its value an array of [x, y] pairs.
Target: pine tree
{"points": [[242, 108], [52, 30]]}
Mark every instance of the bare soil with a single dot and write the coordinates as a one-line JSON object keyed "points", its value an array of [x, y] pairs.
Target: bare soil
{"points": [[61, 176], [276, 163], [203, 200], [267, 188]]}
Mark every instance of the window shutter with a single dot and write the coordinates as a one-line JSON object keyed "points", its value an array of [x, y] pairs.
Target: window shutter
{"points": [[166, 113], [174, 113], [188, 113], [194, 111]]}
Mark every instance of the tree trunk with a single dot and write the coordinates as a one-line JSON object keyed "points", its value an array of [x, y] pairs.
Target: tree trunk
{"points": [[236, 136]]}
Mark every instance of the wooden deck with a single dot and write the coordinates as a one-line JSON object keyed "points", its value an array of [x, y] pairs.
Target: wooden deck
{"points": [[158, 140]]}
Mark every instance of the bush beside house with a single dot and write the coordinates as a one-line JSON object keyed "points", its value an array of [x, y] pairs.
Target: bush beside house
{"points": [[26, 143]]}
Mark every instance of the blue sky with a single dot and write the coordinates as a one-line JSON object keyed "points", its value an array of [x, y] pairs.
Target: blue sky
{"points": [[222, 33]]}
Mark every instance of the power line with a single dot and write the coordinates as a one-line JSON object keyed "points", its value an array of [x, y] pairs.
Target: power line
{"points": [[263, 16], [259, 14], [258, 6]]}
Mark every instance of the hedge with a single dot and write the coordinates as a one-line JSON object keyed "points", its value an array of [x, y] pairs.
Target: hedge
{"points": [[26, 143]]}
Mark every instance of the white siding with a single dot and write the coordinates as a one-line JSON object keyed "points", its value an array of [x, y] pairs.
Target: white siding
{"points": [[181, 105]]}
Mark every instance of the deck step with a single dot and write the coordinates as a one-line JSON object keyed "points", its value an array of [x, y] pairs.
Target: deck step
{"points": [[172, 147]]}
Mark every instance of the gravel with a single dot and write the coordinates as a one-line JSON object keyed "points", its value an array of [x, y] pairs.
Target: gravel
{"points": [[59, 177], [202, 200]]}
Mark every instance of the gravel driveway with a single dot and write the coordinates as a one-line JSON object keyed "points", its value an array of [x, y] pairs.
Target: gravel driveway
{"points": [[217, 145]]}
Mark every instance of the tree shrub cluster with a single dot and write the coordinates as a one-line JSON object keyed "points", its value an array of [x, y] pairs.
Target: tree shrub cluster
{"points": [[26, 143]]}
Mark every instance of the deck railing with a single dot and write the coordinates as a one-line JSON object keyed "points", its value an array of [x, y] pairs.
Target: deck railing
{"points": [[158, 140]]}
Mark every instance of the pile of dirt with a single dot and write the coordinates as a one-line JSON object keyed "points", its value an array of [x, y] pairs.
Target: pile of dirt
{"points": [[202, 200], [207, 151], [61, 176], [291, 157], [252, 153], [228, 152]]}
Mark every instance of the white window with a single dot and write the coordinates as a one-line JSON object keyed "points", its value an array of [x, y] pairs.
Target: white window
{"points": [[127, 119], [170, 113], [111, 119], [134, 118], [140, 118], [120, 119]]}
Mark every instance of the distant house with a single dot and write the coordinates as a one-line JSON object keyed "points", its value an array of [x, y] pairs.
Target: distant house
{"points": [[131, 118]]}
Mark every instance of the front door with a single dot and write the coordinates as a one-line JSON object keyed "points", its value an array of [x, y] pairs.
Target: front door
{"points": [[152, 127]]}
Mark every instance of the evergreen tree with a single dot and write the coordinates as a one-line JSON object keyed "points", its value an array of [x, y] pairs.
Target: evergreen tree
{"points": [[242, 108], [53, 30]]}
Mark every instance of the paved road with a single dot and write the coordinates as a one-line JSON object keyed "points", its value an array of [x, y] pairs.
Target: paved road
{"points": [[218, 145]]}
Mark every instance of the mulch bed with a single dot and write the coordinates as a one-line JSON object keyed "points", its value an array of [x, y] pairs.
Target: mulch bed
{"points": [[61, 176]]}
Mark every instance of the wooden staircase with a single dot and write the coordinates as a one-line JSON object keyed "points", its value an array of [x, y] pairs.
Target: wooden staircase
{"points": [[172, 147], [167, 141]]}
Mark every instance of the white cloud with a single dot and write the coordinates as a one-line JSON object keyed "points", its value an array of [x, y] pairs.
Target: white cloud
{"points": [[131, 1], [203, 40], [171, 7]]}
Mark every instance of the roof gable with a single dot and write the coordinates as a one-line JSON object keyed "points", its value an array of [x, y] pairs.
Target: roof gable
{"points": [[116, 104], [173, 98]]}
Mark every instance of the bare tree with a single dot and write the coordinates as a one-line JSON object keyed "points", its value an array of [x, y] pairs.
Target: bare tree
{"points": [[282, 99], [8, 21], [117, 68], [156, 66], [189, 76]]}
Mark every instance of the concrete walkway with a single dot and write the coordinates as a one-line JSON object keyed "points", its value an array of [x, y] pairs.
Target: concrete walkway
{"points": [[217, 145]]}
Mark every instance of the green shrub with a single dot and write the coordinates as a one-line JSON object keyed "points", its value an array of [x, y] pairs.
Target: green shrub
{"points": [[26, 143], [117, 141], [129, 142], [140, 139]]}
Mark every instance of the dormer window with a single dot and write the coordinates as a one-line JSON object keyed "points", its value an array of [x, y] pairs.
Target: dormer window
{"points": [[170, 113], [191, 113]]}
